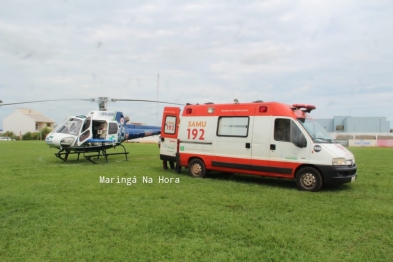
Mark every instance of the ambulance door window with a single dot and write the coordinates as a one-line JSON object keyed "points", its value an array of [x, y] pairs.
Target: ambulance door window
{"points": [[282, 128], [297, 137], [170, 125]]}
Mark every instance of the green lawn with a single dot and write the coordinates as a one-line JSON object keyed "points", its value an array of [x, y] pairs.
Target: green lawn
{"points": [[52, 210]]}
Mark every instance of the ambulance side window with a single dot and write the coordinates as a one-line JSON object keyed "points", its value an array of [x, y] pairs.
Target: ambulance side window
{"points": [[233, 126], [286, 130], [282, 128]]}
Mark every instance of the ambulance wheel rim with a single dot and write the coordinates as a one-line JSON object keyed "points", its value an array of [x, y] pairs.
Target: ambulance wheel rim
{"points": [[196, 169], [308, 180]]}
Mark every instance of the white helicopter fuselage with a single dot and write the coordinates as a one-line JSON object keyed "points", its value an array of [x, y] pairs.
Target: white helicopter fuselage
{"points": [[82, 131]]}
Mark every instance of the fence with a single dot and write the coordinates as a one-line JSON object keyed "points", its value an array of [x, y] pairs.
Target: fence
{"points": [[364, 139]]}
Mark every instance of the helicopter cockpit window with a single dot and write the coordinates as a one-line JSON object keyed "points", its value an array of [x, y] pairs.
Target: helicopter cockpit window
{"points": [[71, 127], [87, 124]]}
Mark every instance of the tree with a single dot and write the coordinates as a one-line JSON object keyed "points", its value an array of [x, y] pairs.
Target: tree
{"points": [[9, 134], [44, 132], [27, 136]]}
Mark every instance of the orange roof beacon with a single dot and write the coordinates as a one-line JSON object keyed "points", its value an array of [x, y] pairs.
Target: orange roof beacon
{"points": [[260, 138]]}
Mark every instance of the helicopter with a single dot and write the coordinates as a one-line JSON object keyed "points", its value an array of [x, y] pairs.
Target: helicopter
{"points": [[93, 134]]}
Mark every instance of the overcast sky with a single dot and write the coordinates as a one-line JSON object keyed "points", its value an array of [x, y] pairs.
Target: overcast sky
{"points": [[336, 54]]}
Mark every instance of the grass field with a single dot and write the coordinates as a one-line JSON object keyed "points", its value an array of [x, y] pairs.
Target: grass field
{"points": [[52, 210]]}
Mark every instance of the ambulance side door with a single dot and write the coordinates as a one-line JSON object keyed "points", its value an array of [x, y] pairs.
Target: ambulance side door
{"points": [[260, 159], [232, 142], [288, 148]]}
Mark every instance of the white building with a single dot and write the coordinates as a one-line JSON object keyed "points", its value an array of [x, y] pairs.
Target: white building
{"points": [[24, 120]]}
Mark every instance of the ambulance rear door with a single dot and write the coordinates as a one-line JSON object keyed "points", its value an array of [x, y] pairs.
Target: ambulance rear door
{"points": [[169, 132]]}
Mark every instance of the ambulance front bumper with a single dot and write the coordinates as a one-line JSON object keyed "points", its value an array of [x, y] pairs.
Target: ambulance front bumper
{"points": [[334, 175]]}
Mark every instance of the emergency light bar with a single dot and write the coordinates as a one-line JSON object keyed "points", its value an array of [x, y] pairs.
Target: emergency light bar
{"points": [[303, 107], [262, 109]]}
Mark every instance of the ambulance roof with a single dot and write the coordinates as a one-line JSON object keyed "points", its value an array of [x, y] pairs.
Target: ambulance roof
{"points": [[249, 109]]}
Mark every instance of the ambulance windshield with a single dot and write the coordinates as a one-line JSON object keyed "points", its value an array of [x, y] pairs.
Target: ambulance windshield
{"points": [[315, 130]]}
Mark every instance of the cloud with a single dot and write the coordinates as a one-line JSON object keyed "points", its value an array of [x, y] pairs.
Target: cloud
{"points": [[272, 53], [19, 44], [334, 54]]}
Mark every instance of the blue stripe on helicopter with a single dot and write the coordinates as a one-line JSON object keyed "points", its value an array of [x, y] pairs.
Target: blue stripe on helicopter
{"points": [[100, 140]]}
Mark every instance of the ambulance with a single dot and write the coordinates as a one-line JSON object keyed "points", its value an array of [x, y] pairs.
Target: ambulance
{"points": [[267, 139]]}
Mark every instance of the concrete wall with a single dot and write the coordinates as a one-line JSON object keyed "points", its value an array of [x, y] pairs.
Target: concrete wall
{"points": [[364, 139]]}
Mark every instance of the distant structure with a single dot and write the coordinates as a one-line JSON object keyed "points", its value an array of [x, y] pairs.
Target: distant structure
{"points": [[24, 120], [351, 124]]}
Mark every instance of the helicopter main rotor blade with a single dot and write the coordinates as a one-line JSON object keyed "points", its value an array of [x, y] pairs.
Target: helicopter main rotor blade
{"points": [[102, 101], [40, 101], [150, 101]]}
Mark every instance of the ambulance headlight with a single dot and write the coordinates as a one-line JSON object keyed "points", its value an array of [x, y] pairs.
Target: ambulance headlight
{"points": [[339, 162]]}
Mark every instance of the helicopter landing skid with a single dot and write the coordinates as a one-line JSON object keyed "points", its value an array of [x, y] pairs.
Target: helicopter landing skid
{"points": [[65, 153], [102, 152], [94, 152]]}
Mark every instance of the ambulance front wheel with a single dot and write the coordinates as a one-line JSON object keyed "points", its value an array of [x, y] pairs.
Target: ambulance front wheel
{"points": [[309, 179], [196, 168]]}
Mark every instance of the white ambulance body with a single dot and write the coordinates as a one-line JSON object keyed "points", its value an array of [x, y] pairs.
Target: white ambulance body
{"points": [[261, 138]]}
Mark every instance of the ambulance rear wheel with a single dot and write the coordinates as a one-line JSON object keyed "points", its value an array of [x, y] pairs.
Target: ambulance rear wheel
{"points": [[196, 168], [309, 179]]}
